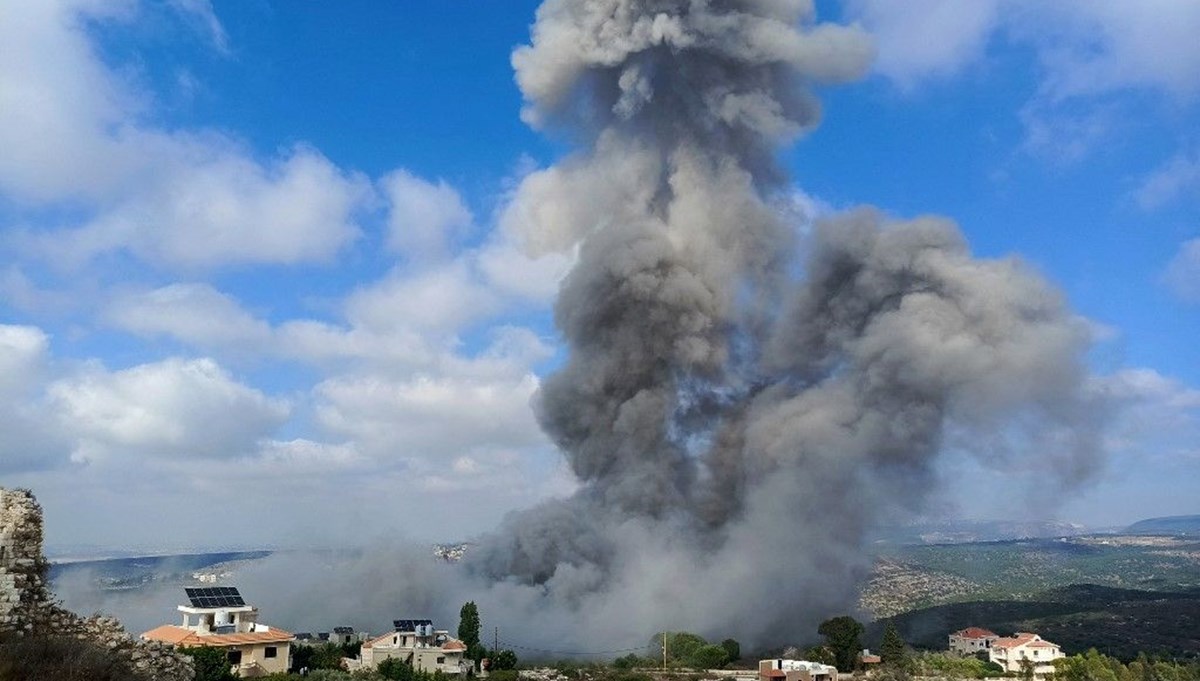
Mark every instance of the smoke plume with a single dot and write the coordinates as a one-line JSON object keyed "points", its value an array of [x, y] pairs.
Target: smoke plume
{"points": [[739, 416], [743, 400]]}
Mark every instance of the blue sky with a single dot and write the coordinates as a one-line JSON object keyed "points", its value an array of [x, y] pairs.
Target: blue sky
{"points": [[264, 256]]}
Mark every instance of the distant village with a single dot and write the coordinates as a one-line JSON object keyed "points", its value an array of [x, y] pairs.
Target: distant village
{"points": [[219, 618]]}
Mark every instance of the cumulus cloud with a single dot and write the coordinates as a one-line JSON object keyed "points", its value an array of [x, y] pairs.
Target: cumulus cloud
{"points": [[425, 219], [172, 408], [1177, 178], [27, 439], [193, 313], [1087, 52], [929, 39], [74, 130], [1183, 272]]}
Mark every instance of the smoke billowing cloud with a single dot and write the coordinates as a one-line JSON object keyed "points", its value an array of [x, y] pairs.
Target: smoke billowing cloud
{"points": [[738, 414], [741, 402]]}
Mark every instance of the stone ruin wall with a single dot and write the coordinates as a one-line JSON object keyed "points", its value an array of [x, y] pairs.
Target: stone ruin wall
{"points": [[27, 608]]}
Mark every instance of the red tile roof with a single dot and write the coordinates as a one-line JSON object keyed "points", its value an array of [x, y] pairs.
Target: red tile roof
{"points": [[178, 636], [975, 632], [454, 645], [1020, 639], [379, 639], [871, 659]]}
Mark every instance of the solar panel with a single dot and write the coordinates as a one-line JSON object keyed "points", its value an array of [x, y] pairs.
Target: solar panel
{"points": [[410, 625], [214, 597]]}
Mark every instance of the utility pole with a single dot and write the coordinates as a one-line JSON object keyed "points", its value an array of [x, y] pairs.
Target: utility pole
{"points": [[664, 651], [495, 641]]}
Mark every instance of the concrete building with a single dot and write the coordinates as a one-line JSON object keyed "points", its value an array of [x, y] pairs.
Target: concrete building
{"points": [[218, 617], [1025, 648], [795, 670], [418, 643], [971, 640]]}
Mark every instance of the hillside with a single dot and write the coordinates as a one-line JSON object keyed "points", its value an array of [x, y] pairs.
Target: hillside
{"points": [[920, 576], [1171, 526], [1117, 622]]}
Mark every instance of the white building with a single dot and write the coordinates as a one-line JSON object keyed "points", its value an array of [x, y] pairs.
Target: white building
{"points": [[418, 643], [972, 640], [218, 617], [795, 670], [1012, 653]]}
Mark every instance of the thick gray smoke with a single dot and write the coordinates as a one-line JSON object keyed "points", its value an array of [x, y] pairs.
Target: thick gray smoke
{"points": [[738, 416], [742, 402]]}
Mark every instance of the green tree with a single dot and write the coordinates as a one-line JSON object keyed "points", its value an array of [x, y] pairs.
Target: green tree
{"points": [[820, 654], [502, 660], [396, 669], [733, 650], [843, 637], [682, 645], [893, 650], [468, 630], [709, 656], [212, 664]]}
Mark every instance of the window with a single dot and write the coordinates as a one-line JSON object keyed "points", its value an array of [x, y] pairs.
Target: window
{"points": [[234, 656], [441, 660], [270, 652]]}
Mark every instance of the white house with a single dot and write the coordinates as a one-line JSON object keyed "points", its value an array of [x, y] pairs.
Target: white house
{"points": [[218, 617], [795, 670], [1012, 653], [418, 643], [972, 640]]}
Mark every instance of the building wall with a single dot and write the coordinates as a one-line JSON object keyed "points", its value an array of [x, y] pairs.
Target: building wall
{"points": [[969, 646], [27, 607], [256, 663], [423, 659], [22, 567], [1042, 658]]}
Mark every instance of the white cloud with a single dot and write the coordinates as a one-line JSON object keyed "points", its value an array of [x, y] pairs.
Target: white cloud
{"points": [[1178, 177], [443, 299], [1183, 272], [1092, 48], [174, 408], [23, 352], [74, 131], [927, 39], [1085, 48], [193, 313], [424, 219], [201, 11], [205, 205], [1157, 418], [1087, 53]]}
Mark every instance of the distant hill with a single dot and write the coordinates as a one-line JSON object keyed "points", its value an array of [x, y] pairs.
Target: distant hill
{"points": [[140, 571], [968, 531], [912, 576], [1172, 526], [1117, 622]]}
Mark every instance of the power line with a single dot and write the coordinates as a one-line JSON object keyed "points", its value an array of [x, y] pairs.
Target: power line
{"points": [[578, 652]]}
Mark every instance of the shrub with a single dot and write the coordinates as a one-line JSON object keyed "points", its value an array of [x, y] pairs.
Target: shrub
{"points": [[58, 659]]}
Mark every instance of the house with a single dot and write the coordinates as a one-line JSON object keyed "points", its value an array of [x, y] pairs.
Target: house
{"points": [[795, 670], [971, 640], [342, 635], [219, 617], [1025, 649], [418, 643], [868, 660]]}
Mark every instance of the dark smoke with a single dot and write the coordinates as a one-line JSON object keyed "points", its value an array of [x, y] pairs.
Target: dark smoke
{"points": [[743, 400], [737, 429]]}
